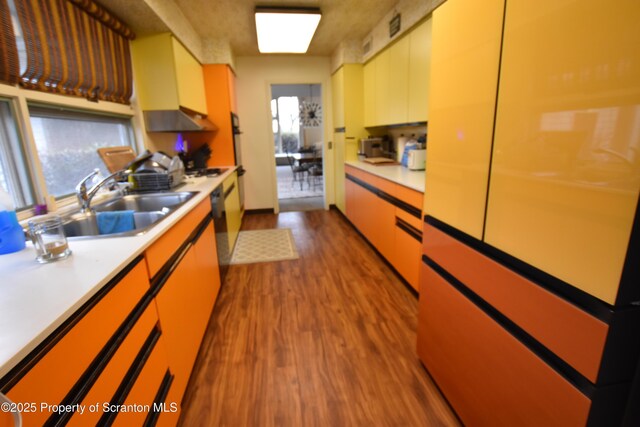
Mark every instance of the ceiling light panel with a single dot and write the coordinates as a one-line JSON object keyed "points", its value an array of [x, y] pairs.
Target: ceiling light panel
{"points": [[283, 30]]}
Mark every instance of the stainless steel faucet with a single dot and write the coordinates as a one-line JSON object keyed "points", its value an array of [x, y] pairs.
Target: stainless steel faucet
{"points": [[85, 196]]}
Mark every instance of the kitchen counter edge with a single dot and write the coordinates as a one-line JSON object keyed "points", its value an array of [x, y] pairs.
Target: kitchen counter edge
{"points": [[35, 299], [414, 180]]}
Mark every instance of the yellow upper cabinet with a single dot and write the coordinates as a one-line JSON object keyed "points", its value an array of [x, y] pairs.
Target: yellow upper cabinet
{"points": [[419, 72], [382, 87], [396, 81], [369, 96], [566, 163], [353, 98], [166, 75], [397, 101], [347, 90], [464, 78], [337, 92]]}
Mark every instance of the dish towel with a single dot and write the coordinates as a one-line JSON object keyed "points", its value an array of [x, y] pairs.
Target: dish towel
{"points": [[115, 222]]}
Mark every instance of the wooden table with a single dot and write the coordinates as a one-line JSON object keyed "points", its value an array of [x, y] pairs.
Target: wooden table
{"points": [[306, 157]]}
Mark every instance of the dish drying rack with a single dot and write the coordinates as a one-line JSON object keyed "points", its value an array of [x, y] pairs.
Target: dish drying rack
{"points": [[155, 181]]}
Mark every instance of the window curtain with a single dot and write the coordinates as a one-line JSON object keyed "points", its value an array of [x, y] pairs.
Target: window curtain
{"points": [[75, 47], [9, 66]]}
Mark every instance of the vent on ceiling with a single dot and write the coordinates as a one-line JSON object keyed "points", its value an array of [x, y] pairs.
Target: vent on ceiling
{"points": [[366, 47]]}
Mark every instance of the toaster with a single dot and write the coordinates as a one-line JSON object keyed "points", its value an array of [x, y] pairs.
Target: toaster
{"points": [[417, 160]]}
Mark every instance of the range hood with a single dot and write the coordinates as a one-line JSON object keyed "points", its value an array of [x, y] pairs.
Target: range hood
{"points": [[182, 120]]}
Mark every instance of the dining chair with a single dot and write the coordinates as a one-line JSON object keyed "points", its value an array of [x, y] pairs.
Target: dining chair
{"points": [[297, 170]]}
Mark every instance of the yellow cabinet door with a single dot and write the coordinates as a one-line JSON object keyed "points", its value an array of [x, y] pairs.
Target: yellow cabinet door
{"points": [[397, 82], [232, 208], [464, 77], [339, 153], [382, 101], [337, 90], [369, 96], [419, 72], [566, 163], [166, 75], [353, 104], [190, 79]]}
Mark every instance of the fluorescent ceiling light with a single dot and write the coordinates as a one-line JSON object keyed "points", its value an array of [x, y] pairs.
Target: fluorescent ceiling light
{"points": [[286, 30]]}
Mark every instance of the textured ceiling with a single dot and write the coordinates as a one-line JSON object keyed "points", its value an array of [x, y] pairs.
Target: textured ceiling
{"points": [[233, 20]]}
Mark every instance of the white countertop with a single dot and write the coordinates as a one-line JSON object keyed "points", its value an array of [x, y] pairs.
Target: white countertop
{"points": [[395, 173], [37, 298]]}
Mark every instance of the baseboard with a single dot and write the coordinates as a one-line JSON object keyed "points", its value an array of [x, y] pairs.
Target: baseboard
{"points": [[259, 211]]}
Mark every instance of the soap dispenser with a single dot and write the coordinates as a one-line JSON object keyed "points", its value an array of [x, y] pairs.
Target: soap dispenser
{"points": [[11, 234]]}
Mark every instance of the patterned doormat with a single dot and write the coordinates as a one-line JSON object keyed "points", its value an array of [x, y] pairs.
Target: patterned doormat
{"points": [[264, 246]]}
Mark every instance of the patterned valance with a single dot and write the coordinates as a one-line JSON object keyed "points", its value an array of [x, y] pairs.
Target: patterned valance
{"points": [[75, 47], [9, 66]]}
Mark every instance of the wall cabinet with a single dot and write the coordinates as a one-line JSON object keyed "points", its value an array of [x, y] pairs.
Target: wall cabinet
{"points": [[369, 96], [166, 75], [419, 72], [466, 36], [564, 191], [348, 118], [388, 215], [526, 186], [396, 81], [219, 84]]}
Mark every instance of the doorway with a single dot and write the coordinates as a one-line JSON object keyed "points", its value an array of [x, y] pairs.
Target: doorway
{"points": [[297, 125]]}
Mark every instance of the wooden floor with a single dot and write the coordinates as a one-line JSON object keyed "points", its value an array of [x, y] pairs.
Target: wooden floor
{"points": [[325, 340], [301, 204]]}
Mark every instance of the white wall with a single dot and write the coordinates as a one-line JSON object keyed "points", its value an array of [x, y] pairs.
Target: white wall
{"points": [[255, 75]]}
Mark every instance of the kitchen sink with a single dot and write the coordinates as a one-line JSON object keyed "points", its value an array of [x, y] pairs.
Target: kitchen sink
{"points": [[150, 202], [149, 210]]}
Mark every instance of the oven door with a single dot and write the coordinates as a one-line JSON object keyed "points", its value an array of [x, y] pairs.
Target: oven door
{"points": [[220, 226]]}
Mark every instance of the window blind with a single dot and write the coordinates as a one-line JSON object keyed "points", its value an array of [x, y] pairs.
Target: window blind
{"points": [[9, 65], [75, 47]]}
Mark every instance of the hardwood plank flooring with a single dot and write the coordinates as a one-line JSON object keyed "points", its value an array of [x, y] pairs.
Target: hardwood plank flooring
{"points": [[325, 340]]}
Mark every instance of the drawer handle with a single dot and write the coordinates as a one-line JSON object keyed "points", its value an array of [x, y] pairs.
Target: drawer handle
{"points": [[17, 417]]}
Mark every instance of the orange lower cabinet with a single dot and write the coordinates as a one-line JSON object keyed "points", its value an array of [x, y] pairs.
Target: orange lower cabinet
{"points": [[408, 247], [139, 403], [107, 384], [179, 305], [385, 222], [162, 249], [50, 380], [208, 271], [7, 419], [489, 376], [171, 413]]}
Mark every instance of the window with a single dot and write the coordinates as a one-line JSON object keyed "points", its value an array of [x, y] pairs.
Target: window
{"points": [[14, 175], [286, 116], [67, 143]]}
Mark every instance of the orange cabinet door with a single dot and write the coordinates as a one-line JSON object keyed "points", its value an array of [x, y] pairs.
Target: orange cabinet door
{"points": [[206, 255], [142, 394], [409, 251], [107, 384], [489, 377], [160, 252], [52, 378], [179, 304], [385, 222]]}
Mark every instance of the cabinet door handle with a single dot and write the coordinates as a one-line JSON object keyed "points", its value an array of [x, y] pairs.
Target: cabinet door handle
{"points": [[229, 190], [8, 404], [409, 229]]}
